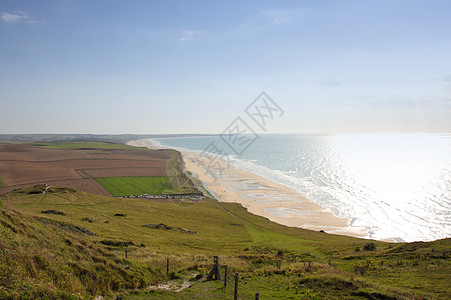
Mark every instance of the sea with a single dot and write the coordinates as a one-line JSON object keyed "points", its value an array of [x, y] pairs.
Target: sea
{"points": [[397, 185]]}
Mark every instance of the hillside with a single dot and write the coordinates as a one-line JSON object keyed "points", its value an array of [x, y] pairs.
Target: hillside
{"points": [[69, 244]]}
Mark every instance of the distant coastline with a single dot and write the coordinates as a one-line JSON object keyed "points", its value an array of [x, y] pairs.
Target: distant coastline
{"points": [[108, 138]]}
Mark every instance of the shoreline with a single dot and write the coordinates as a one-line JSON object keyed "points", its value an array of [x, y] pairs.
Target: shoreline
{"points": [[263, 197]]}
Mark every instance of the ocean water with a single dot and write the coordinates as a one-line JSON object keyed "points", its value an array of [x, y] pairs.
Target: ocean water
{"points": [[396, 185]]}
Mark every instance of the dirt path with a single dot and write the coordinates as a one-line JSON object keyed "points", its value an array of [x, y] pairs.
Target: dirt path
{"points": [[175, 286]]}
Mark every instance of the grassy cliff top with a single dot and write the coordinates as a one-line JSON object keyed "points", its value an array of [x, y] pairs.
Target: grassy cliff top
{"points": [[65, 243]]}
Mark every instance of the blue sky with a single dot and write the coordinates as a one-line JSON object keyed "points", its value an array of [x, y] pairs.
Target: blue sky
{"points": [[194, 66]]}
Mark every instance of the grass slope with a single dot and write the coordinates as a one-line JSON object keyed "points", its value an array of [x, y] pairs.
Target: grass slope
{"points": [[48, 255], [179, 180], [41, 259], [124, 186]]}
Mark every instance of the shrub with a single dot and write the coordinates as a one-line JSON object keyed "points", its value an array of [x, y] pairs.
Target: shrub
{"points": [[369, 247], [53, 211]]}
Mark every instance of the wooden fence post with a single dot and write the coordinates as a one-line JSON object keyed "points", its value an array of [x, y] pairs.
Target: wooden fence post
{"points": [[225, 276], [218, 275], [257, 296], [214, 273], [167, 266], [235, 294]]}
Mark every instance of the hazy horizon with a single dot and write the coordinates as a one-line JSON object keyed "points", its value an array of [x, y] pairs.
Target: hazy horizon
{"points": [[189, 134], [150, 67]]}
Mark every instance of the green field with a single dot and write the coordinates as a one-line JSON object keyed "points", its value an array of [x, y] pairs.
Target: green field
{"points": [[87, 145], [46, 255], [126, 186]]}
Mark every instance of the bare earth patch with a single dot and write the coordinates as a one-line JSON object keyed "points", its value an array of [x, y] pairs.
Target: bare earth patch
{"points": [[175, 286]]}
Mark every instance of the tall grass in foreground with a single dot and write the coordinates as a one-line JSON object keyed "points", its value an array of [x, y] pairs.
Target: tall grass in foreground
{"points": [[41, 261]]}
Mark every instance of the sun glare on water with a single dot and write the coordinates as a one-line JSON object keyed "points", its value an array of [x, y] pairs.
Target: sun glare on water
{"points": [[398, 177]]}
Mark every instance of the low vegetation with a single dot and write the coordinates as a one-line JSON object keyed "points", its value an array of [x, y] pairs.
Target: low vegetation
{"points": [[63, 256]]}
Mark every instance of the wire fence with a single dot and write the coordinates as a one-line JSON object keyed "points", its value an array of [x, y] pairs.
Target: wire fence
{"points": [[233, 285]]}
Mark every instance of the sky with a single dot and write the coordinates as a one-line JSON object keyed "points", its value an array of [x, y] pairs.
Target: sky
{"points": [[148, 67]]}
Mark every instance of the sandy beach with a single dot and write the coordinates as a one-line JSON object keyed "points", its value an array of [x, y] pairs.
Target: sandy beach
{"points": [[262, 196]]}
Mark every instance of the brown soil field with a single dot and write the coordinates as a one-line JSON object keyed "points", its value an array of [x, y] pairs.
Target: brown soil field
{"points": [[23, 165]]}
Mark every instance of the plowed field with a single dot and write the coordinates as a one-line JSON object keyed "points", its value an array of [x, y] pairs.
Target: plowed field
{"points": [[23, 165]]}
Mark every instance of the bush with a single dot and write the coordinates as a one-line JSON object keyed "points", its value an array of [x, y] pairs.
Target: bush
{"points": [[369, 247]]}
